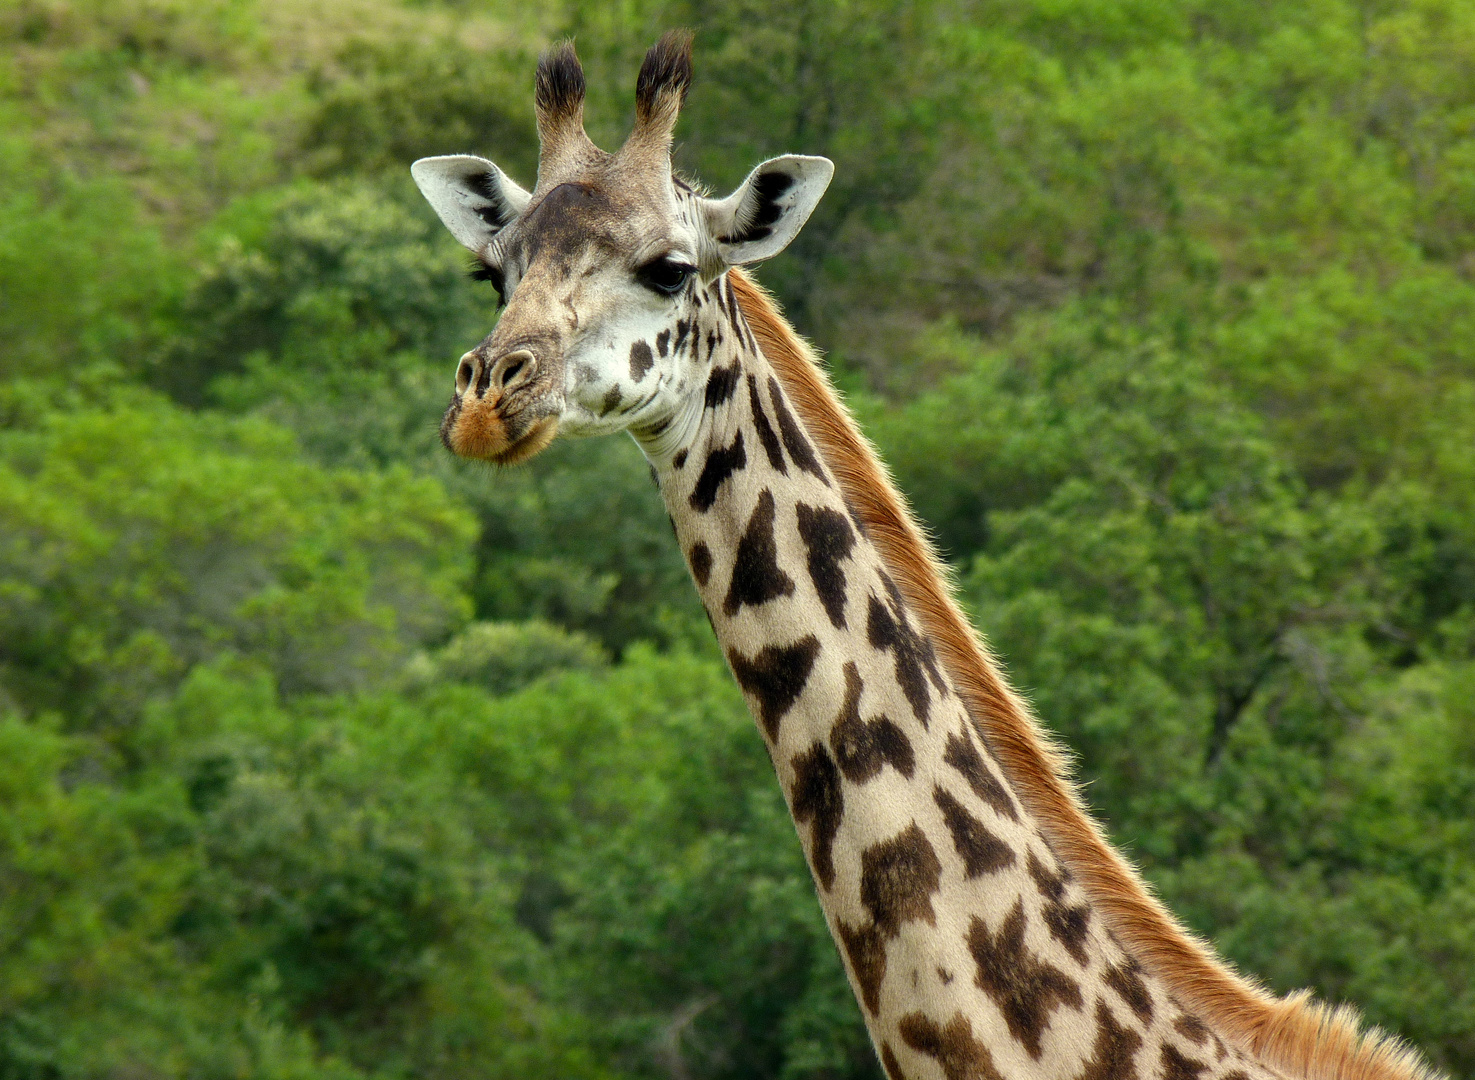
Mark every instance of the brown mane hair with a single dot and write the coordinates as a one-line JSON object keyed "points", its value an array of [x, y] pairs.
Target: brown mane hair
{"points": [[1293, 1034]]}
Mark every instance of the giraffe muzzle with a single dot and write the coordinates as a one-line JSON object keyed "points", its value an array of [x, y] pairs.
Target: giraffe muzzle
{"points": [[503, 376], [503, 410]]}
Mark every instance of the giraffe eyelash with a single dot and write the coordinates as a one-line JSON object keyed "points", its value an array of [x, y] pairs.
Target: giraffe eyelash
{"points": [[481, 271]]}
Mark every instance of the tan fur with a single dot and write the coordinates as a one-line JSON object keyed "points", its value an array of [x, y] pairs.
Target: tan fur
{"points": [[1295, 1035]]}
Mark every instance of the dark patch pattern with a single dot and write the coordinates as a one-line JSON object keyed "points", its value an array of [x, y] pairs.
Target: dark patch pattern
{"points": [[765, 430], [776, 677], [890, 1064], [887, 629], [962, 755], [1026, 988], [817, 798], [683, 327], [1179, 1066], [701, 562], [862, 748], [641, 361], [794, 441], [1193, 1029], [721, 464], [756, 575], [981, 851], [1197, 1032], [1116, 1046], [828, 539], [1050, 883], [866, 951], [958, 1053], [680, 459], [721, 383], [897, 880], [611, 401], [663, 343], [1126, 979], [735, 317], [762, 206], [1068, 923]]}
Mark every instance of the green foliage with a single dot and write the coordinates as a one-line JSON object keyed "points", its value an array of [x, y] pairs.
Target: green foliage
{"points": [[138, 541], [507, 656], [317, 284], [385, 104], [1161, 310], [75, 280]]}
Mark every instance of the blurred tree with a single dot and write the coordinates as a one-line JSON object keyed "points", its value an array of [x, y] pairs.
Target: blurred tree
{"points": [[381, 105], [137, 541], [1161, 309], [503, 657], [79, 288]]}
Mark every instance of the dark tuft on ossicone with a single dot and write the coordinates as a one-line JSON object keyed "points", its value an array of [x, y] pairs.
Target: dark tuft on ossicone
{"points": [[559, 88], [667, 69]]}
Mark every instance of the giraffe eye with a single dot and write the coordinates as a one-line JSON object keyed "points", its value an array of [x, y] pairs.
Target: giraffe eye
{"points": [[481, 271], [665, 275]]}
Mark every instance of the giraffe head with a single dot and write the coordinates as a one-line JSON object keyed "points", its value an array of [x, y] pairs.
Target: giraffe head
{"points": [[600, 266]]}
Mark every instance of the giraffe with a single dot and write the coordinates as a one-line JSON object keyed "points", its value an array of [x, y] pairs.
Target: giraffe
{"points": [[988, 928]]}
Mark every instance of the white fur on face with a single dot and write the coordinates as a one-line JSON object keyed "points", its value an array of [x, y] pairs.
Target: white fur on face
{"points": [[631, 364]]}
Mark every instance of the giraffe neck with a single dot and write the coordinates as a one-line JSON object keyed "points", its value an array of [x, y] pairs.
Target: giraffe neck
{"points": [[973, 949]]}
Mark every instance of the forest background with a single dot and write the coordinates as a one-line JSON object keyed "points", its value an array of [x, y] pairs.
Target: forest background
{"points": [[325, 756]]}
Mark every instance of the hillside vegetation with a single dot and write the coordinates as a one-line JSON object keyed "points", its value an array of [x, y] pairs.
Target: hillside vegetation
{"points": [[326, 757]]}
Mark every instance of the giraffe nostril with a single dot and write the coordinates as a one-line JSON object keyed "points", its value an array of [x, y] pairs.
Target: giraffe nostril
{"points": [[464, 373], [512, 370]]}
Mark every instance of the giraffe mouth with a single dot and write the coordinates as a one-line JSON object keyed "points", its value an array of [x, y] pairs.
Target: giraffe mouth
{"points": [[474, 428], [530, 445]]}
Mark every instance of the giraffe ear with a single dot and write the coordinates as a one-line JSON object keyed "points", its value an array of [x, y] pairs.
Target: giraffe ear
{"points": [[475, 199], [766, 212]]}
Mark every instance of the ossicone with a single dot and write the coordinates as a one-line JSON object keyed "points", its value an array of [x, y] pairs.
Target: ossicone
{"points": [[660, 90], [558, 95], [558, 92]]}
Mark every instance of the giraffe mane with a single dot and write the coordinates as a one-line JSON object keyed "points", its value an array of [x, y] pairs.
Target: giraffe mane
{"points": [[1296, 1034]]}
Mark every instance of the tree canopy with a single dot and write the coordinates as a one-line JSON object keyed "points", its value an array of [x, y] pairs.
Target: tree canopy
{"points": [[326, 757]]}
